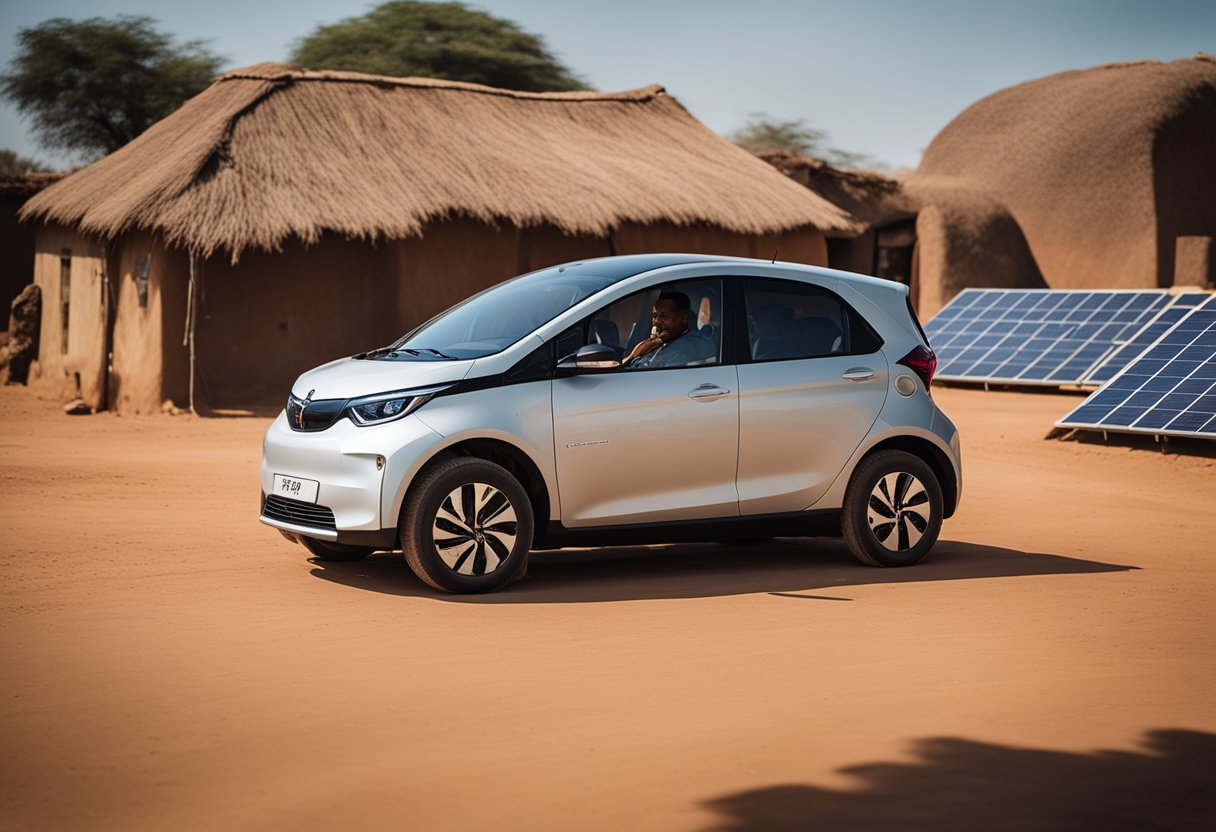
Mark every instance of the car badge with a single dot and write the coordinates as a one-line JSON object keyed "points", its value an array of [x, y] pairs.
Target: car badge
{"points": [[304, 404]]}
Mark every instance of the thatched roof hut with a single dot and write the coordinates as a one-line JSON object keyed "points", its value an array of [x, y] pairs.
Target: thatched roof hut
{"points": [[870, 198], [327, 212], [271, 152], [25, 185], [1109, 172]]}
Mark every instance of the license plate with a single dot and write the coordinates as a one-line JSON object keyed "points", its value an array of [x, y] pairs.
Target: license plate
{"points": [[294, 488]]}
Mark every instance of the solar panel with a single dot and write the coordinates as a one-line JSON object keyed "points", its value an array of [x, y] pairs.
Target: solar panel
{"points": [[1169, 389], [1035, 336], [1116, 360]]}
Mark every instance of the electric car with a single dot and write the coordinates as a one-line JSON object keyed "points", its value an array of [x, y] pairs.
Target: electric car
{"points": [[633, 399]]}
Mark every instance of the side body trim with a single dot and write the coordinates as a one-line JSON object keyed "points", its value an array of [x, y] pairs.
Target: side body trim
{"points": [[818, 523]]}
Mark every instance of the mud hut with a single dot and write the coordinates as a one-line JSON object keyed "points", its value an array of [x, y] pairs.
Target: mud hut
{"points": [[1097, 178], [1109, 173], [965, 238], [285, 217]]}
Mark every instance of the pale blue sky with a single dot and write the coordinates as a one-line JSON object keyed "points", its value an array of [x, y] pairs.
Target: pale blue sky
{"points": [[881, 76]]}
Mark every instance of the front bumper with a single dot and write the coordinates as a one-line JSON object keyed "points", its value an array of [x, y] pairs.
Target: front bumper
{"points": [[350, 464]]}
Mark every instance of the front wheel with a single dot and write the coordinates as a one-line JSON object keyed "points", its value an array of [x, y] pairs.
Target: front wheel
{"points": [[467, 526], [892, 510]]}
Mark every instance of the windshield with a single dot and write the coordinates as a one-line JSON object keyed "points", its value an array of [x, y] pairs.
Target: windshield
{"points": [[498, 317]]}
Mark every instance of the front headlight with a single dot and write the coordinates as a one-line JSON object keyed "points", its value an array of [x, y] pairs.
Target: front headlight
{"points": [[385, 407]]}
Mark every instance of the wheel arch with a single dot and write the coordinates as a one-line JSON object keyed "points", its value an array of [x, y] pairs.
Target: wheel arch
{"points": [[933, 456], [508, 456]]}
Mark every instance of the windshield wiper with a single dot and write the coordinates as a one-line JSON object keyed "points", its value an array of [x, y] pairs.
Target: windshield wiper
{"points": [[391, 351], [434, 352]]}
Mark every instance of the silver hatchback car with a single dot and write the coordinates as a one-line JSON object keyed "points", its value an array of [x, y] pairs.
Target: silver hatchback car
{"points": [[639, 399]]}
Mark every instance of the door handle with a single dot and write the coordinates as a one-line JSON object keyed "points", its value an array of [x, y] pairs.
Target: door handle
{"points": [[858, 374], [707, 391]]}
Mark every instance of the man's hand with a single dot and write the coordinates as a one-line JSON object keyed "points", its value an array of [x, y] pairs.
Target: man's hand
{"points": [[649, 345]]}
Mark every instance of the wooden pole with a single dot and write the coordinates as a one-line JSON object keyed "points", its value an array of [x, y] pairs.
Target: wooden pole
{"points": [[191, 324]]}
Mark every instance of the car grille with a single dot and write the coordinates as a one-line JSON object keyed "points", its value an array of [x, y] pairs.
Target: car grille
{"points": [[316, 415], [301, 514]]}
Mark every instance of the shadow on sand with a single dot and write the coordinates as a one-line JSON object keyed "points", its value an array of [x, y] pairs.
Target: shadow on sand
{"points": [[788, 567], [957, 784]]}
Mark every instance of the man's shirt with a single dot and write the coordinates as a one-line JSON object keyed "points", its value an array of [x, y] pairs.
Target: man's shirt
{"points": [[688, 348]]}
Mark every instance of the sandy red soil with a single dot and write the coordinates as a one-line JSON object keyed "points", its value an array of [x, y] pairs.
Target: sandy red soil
{"points": [[169, 663]]}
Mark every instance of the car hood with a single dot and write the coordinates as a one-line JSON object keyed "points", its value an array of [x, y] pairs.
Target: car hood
{"points": [[348, 378]]}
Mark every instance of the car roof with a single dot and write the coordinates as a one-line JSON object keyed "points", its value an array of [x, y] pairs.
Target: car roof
{"points": [[618, 267], [621, 266]]}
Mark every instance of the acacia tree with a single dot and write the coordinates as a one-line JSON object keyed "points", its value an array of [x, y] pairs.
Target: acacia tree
{"points": [[436, 40], [90, 86], [762, 132]]}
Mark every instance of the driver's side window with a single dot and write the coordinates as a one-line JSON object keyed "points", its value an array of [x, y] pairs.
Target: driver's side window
{"points": [[671, 325]]}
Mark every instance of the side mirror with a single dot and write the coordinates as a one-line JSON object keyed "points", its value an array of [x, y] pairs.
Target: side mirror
{"points": [[591, 357]]}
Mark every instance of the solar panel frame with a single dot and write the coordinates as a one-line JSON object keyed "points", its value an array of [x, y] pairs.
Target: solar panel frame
{"points": [[1039, 337], [1167, 390]]}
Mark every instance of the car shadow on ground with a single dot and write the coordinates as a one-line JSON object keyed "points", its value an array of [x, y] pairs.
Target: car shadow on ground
{"points": [[815, 569], [959, 784]]}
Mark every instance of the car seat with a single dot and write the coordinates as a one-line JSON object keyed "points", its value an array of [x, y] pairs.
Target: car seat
{"points": [[605, 331], [817, 336]]}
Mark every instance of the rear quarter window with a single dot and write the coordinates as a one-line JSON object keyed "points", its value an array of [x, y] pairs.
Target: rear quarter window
{"points": [[790, 320], [916, 320]]}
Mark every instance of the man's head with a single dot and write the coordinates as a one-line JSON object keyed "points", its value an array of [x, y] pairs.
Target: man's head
{"points": [[671, 314]]}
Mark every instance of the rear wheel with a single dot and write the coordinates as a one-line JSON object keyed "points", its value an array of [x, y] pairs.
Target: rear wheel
{"points": [[335, 551], [467, 526], [892, 510]]}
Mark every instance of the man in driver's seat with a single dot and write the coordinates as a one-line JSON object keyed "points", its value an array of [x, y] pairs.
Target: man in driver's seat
{"points": [[672, 342]]}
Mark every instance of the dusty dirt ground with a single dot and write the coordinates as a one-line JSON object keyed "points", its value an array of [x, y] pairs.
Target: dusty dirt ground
{"points": [[169, 663]]}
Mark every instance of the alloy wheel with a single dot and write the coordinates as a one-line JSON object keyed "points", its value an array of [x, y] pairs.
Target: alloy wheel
{"points": [[474, 529], [899, 511]]}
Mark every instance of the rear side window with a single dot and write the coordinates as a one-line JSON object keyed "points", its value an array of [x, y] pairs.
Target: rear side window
{"points": [[788, 320]]}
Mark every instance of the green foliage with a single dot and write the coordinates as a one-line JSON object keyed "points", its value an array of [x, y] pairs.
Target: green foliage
{"points": [[436, 40], [13, 165], [761, 132], [91, 86]]}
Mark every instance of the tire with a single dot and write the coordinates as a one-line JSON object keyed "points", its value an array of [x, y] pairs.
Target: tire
{"points": [[901, 489], [467, 526], [325, 550]]}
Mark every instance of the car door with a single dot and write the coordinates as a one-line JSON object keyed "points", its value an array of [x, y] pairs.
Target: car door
{"points": [[654, 444], [811, 384]]}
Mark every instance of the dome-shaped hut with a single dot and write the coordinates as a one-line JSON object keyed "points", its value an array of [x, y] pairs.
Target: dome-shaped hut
{"points": [[1109, 172]]}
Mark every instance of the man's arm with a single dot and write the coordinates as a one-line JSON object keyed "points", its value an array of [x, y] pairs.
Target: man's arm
{"points": [[649, 345]]}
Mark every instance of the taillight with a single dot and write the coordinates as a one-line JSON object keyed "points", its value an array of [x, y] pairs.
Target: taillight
{"points": [[921, 361]]}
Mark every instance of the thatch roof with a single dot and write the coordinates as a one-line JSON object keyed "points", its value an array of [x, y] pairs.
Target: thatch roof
{"points": [[869, 197], [271, 152], [1101, 168], [25, 185]]}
